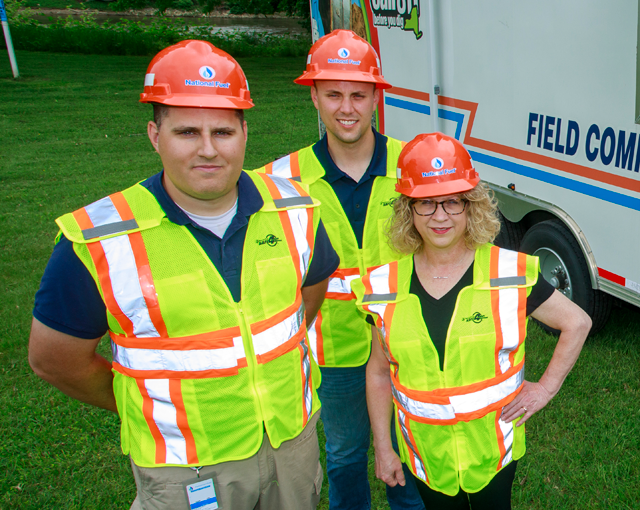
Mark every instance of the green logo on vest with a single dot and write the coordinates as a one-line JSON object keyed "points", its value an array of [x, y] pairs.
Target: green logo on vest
{"points": [[385, 203], [477, 318], [270, 240]]}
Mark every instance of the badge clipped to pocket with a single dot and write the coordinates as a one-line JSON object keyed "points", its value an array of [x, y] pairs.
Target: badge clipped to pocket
{"points": [[201, 494]]}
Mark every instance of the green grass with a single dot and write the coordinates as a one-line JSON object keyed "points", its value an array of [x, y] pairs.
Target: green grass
{"points": [[72, 131]]}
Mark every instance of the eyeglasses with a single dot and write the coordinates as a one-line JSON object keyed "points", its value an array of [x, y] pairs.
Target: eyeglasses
{"points": [[427, 207]]}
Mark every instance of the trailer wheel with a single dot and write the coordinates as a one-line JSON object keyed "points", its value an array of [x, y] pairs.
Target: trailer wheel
{"points": [[562, 264], [510, 235]]}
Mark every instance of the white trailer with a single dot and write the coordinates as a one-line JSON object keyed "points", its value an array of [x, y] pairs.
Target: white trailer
{"points": [[545, 95]]}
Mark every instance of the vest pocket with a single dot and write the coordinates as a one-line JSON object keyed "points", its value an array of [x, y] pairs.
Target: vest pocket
{"points": [[277, 284], [477, 357]]}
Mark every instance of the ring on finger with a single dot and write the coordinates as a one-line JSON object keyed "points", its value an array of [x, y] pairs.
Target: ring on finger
{"points": [[525, 408]]}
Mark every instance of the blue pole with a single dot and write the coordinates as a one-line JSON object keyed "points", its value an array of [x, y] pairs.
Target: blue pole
{"points": [[7, 39]]}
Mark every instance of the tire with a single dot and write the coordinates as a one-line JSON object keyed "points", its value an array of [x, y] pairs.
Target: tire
{"points": [[562, 264], [510, 235]]}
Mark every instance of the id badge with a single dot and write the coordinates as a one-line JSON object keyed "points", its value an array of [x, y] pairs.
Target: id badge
{"points": [[201, 494]]}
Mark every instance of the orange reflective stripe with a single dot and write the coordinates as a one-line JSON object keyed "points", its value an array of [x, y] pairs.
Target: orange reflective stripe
{"points": [[268, 168], [522, 309], [495, 307], [342, 274], [263, 325], [142, 263], [294, 164], [306, 385], [282, 349], [175, 390], [147, 411], [213, 340], [102, 268]]}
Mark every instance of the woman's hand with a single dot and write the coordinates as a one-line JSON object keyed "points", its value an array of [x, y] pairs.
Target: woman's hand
{"points": [[528, 402], [389, 467]]}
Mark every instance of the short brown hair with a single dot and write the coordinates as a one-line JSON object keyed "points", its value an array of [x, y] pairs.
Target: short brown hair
{"points": [[483, 223]]}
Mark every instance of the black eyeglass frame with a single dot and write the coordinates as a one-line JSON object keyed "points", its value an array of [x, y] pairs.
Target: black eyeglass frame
{"points": [[464, 207]]}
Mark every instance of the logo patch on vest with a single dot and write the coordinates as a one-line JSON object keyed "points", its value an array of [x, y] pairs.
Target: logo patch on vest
{"points": [[386, 203], [270, 240], [476, 318]]}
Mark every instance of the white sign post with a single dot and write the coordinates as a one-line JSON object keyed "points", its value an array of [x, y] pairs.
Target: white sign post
{"points": [[7, 38]]}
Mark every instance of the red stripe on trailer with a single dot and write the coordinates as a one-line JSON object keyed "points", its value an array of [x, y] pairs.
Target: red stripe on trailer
{"points": [[612, 277]]}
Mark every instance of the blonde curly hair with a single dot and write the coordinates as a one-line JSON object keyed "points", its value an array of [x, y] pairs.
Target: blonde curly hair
{"points": [[483, 223]]}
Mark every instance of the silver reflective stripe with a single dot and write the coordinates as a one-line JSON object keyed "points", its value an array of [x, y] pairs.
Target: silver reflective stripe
{"points": [[299, 220], [477, 400], [508, 306], [175, 360], [508, 281], [110, 228], [379, 297], [282, 203], [165, 417], [306, 369], [312, 334], [423, 409], [275, 336], [420, 470], [507, 434], [123, 271], [342, 285], [282, 167], [460, 404]]}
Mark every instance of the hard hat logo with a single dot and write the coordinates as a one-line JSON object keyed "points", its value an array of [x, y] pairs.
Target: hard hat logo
{"points": [[208, 73], [437, 163], [343, 53]]}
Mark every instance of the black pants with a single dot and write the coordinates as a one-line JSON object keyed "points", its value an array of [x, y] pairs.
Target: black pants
{"points": [[495, 496]]}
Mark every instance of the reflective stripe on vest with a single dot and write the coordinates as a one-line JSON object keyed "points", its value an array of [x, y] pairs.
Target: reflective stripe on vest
{"points": [[504, 433], [314, 333], [307, 397], [287, 167], [508, 304], [123, 269], [297, 223], [461, 406], [340, 284], [416, 460]]}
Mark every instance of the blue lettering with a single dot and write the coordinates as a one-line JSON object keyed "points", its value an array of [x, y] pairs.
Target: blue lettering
{"points": [[533, 117], [548, 133], [592, 154], [540, 130], [559, 148], [608, 134], [623, 154], [573, 128]]}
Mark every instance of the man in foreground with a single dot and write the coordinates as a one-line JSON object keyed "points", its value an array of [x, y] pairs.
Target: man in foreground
{"points": [[204, 276], [352, 171]]}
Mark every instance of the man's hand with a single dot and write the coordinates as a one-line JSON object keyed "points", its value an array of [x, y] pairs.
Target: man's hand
{"points": [[71, 365]]}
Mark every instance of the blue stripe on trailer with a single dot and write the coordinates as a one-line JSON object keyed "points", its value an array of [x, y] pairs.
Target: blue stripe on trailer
{"points": [[456, 117], [557, 180]]}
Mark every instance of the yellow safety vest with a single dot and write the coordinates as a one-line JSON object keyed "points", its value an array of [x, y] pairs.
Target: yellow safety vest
{"points": [[339, 336], [449, 421], [196, 375]]}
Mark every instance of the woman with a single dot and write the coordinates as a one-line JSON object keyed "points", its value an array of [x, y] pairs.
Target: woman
{"points": [[451, 319]]}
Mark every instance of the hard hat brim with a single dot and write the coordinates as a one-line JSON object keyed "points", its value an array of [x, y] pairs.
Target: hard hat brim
{"points": [[308, 78], [192, 101], [439, 188]]}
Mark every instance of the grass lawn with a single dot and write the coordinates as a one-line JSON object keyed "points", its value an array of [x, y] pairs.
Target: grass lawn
{"points": [[71, 132]]}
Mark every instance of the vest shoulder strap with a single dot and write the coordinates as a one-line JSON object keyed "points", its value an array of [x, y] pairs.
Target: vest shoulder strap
{"points": [[498, 268], [112, 216], [280, 194]]}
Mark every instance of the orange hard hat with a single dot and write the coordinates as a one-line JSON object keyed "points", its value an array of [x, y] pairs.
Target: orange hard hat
{"points": [[435, 164], [343, 56], [196, 74]]}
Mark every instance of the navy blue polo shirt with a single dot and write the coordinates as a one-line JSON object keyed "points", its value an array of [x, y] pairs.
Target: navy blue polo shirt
{"points": [[69, 301], [353, 196]]}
